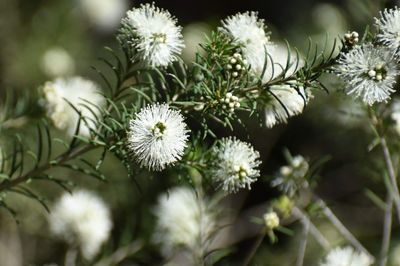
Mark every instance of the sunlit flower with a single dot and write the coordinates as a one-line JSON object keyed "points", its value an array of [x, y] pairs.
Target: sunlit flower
{"points": [[57, 62], [346, 256], [105, 14], [370, 72], [235, 165], [81, 219], [291, 178], [183, 219], [388, 26], [285, 102], [61, 93], [153, 34], [157, 136]]}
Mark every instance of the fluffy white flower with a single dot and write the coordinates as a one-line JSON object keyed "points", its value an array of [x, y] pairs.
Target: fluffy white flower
{"points": [[291, 178], [285, 102], [105, 14], [183, 219], [157, 136], [388, 26], [78, 92], [81, 219], [248, 31], [235, 165], [346, 256], [154, 34], [369, 71], [57, 62]]}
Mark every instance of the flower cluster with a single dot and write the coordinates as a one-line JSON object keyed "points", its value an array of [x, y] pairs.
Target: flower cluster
{"points": [[346, 256], [151, 34], [230, 102], [388, 26], [183, 219], [237, 65], [351, 38], [291, 178], [82, 219], [271, 220], [82, 94], [235, 164], [157, 136]]}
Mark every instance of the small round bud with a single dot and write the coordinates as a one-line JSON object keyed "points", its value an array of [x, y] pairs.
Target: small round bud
{"points": [[244, 62], [372, 73], [235, 74], [237, 56], [234, 98], [237, 104], [233, 61], [228, 95], [354, 34], [238, 67], [285, 170], [229, 66], [379, 77]]}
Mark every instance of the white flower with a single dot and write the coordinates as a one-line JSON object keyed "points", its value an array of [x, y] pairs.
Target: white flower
{"points": [[271, 220], [235, 164], [388, 26], [248, 31], [291, 178], [285, 102], [154, 34], [105, 14], [346, 256], [369, 71], [81, 219], [78, 92], [183, 219], [157, 136], [57, 62]]}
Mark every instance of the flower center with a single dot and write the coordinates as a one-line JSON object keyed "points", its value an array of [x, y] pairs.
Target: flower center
{"points": [[159, 129], [159, 38], [378, 73], [241, 171]]}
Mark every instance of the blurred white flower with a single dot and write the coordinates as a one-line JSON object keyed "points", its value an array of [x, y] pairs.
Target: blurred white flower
{"points": [[235, 165], [346, 256], [271, 220], [57, 62], [285, 102], [395, 255], [395, 115], [370, 72], [388, 26], [183, 219], [248, 31], [291, 178], [194, 34], [154, 35], [157, 136], [81, 219], [79, 92], [104, 14]]}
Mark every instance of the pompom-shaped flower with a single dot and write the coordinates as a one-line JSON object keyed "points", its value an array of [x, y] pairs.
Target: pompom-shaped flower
{"points": [[369, 71], [285, 102], [388, 26], [183, 219], [157, 136], [153, 35], [235, 164], [249, 32], [81, 219], [291, 178], [346, 256], [82, 94]]}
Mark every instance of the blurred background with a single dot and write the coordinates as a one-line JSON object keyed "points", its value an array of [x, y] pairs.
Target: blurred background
{"points": [[44, 39]]}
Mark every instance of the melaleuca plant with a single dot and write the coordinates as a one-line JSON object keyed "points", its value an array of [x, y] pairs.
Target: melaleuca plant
{"points": [[156, 113]]}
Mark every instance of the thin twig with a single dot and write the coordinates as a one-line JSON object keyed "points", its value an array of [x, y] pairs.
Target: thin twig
{"points": [[312, 229], [121, 254], [342, 229], [255, 247], [303, 242], [387, 230]]}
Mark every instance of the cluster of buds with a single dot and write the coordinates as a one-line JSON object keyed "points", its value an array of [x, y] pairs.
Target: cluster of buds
{"points": [[236, 65], [271, 220], [351, 38], [230, 102]]}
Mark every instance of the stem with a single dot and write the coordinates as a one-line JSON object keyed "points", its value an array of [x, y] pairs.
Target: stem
{"points": [[387, 229], [319, 237], [71, 257], [303, 242], [255, 247], [121, 254], [63, 158], [392, 175], [342, 229]]}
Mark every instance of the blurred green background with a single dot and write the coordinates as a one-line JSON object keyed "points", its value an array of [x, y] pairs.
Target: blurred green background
{"points": [[42, 39]]}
